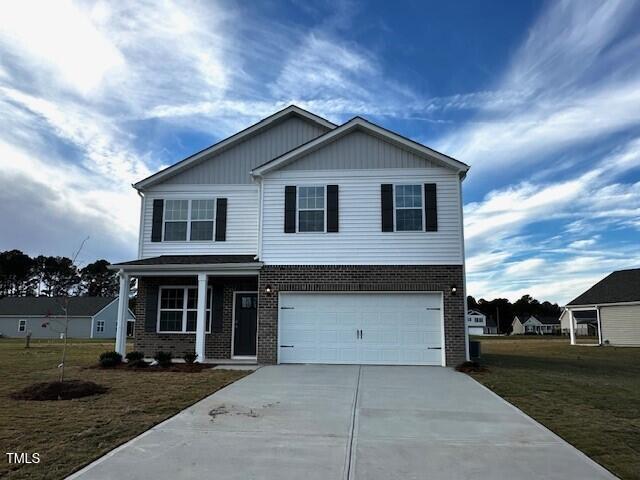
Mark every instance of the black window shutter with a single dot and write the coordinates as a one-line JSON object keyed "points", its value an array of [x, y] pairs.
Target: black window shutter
{"points": [[221, 219], [431, 207], [290, 209], [332, 208], [156, 223], [386, 196], [217, 311], [151, 308]]}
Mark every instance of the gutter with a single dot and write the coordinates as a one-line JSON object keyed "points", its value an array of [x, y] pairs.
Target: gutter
{"points": [[191, 267]]}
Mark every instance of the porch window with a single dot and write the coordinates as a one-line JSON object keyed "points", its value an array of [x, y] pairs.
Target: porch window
{"points": [[178, 310], [408, 208]]}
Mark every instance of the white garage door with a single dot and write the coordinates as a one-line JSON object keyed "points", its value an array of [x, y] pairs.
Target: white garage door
{"points": [[368, 328]]}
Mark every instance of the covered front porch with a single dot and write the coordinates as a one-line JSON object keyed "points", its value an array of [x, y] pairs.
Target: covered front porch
{"points": [[206, 304]]}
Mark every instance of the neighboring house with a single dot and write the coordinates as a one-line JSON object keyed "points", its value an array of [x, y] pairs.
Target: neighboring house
{"points": [[44, 317], [517, 325], [300, 241], [539, 325], [491, 327], [616, 302], [476, 322], [585, 324]]}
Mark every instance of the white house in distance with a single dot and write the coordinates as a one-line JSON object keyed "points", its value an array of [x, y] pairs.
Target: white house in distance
{"points": [[535, 325], [44, 317], [616, 302], [476, 322]]}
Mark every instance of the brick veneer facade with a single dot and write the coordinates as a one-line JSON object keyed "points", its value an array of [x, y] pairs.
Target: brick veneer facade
{"points": [[358, 278], [217, 344], [307, 278]]}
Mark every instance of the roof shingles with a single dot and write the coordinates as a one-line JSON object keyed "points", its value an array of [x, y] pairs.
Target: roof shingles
{"points": [[619, 287]]}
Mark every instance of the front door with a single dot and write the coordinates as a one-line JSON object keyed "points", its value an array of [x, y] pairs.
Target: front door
{"points": [[245, 324]]}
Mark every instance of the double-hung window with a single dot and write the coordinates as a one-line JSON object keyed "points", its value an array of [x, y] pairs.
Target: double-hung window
{"points": [[311, 207], [176, 216], [408, 208], [178, 310], [100, 326], [188, 219], [201, 219], [22, 325]]}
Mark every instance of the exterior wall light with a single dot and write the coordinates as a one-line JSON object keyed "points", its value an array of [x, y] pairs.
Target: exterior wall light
{"points": [[268, 290], [454, 289]]}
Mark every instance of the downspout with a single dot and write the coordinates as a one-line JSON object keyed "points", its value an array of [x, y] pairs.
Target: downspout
{"points": [[140, 228], [260, 206], [464, 274]]}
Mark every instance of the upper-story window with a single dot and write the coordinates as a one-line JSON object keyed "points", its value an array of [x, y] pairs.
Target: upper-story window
{"points": [[311, 207], [192, 219], [408, 208]]}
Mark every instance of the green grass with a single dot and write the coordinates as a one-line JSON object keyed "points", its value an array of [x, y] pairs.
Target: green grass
{"points": [[69, 434], [590, 396]]}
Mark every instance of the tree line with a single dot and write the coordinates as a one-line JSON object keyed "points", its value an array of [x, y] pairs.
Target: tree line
{"points": [[22, 275], [503, 310]]}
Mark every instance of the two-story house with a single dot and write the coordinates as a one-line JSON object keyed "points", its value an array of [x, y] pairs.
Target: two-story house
{"points": [[476, 322], [300, 241]]}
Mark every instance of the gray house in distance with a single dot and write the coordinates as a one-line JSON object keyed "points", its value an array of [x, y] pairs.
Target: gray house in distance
{"points": [[89, 317]]}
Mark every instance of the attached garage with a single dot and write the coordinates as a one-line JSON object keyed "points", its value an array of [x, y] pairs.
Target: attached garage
{"points": [[361, 328]]}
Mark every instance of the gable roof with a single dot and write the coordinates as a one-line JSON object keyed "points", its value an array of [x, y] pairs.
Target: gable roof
{"points": [[471, 311], [229, 142], [41, 306], [621, 286], [546, 320], [355, 124]]}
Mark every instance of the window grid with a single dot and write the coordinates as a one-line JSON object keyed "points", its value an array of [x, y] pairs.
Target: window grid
{"points": [[22, 325], [408, 208], [100, 326], [311, 208], [188, 220], [182, 303]]}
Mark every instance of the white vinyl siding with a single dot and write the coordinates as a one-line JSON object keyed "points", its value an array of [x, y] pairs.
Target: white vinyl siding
{"points": [[242, 220], [621, 324], [360, 239]]}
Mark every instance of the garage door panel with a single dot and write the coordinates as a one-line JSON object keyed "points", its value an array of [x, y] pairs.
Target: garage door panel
{"points": [[396, 328]]}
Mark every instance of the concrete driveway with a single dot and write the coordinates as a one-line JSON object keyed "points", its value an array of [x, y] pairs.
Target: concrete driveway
{"points": [[338, 422]]}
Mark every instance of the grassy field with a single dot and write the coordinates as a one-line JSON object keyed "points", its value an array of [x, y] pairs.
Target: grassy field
{"points": [[69, 434], [590, 396]]}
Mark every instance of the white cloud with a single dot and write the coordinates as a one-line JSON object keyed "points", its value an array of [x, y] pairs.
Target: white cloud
{"points": [[580, 244]]}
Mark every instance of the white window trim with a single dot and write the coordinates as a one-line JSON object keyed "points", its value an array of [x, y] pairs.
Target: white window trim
{"points": [[22, 325], [396, 208], [324, 208], [188, 220], [100, 326], [184, 309]]}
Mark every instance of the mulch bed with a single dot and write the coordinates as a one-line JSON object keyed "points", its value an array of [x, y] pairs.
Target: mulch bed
{"points": [[147, 367], [471, 367], [59, 391]]}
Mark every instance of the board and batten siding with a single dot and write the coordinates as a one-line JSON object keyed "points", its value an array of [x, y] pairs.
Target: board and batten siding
{"points": [[233, 165], [359, 150], [242, 220], [621, 324], [360, 240]]}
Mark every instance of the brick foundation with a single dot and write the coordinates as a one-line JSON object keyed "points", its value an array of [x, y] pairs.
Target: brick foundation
{"points": [[359, 278]]}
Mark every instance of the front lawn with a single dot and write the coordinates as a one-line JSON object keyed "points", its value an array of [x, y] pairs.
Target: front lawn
{"points": [[69, 434], [590, 396]]}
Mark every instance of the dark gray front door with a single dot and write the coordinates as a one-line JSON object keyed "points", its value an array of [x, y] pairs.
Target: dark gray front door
{"points": [[246, 321]]}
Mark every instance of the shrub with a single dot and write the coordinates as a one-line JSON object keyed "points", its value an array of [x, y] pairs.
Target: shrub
{"points": [[134, 356], [190, 357], [110, 359], [164, 359]]}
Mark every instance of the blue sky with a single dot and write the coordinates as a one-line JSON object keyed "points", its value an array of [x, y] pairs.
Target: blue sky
{"points": [[541, 99]]}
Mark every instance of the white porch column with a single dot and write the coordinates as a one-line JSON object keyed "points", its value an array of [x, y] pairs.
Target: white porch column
{"points": [[123, 310], [572, 333], [201, 318], [599, 326]]}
